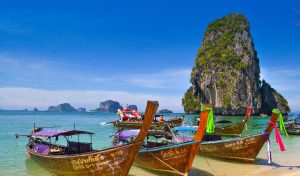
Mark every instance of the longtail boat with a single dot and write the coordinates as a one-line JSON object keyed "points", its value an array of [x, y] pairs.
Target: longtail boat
{"points": [[294, 127], [230, 130], [171, 157], [136, 124], [235, 129], [78, 158], [241, 148]]}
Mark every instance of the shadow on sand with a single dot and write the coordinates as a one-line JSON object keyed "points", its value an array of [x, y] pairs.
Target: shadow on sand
{"points": [[196, 172], [264, 162], [258, 161], [193, 172]]}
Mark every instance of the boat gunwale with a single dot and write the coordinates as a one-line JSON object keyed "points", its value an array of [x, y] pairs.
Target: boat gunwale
{"points": [[82, 154], [231, 139], [145, 150]]}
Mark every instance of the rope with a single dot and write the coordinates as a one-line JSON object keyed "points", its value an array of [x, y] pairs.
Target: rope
{"points": [[165, 163], [210, 166], [247, 133], [172, 133]]}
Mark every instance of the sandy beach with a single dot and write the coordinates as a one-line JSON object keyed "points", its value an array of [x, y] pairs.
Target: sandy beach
{"points": [[284, 163]]}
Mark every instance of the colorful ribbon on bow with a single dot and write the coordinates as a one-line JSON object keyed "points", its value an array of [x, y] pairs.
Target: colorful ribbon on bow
{"points": [[281, 123], [210, 127], [269, 152], [249, 110], [278, 137]]}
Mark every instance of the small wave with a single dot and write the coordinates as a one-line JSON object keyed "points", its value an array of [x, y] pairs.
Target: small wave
{"points": [[104, 123]]}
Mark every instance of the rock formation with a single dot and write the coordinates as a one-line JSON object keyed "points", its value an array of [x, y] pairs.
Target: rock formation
{"points": [[109, 106], [272, 99], [162, 111], [227, 72], [65, 107]]}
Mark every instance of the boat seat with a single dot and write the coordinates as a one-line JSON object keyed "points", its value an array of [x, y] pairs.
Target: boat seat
{"points": [[79, 147], [211, 137], [154, 144]]}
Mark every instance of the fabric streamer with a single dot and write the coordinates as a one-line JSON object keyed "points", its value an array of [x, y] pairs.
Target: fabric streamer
{"points": [[278, 137], [210, 127], [269, 153], [249, 109], [281, 123]]}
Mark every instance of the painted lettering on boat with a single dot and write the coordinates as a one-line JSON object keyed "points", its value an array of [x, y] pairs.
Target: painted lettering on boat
{"points": [[116, 154], [96, 161], [173, 153], [237, 145]]}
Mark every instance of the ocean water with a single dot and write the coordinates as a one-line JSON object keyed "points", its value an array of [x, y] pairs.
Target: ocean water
{"points": [[13, 159]]}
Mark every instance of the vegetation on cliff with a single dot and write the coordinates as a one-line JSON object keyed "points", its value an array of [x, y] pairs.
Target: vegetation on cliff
{"points": [[226, 71]]}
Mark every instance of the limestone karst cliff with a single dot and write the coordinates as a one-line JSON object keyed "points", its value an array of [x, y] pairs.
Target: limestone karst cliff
{"points": [[227, 72]]}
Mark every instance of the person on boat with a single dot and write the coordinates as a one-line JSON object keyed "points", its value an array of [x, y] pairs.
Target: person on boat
{"points": [[161, 119]]}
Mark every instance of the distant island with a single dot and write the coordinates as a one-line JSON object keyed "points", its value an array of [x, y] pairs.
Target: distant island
{"points": [[164, 111], [227, 72], [109, 106], [64, 107], [112, 107]]}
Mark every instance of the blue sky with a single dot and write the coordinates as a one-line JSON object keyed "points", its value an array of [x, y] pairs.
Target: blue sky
{"points": [[130, 51]]}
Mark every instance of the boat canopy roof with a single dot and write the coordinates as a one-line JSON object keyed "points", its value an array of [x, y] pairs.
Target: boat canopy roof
{"points": [[128, 133], [132, 133], [186, 128], [55, 133]]}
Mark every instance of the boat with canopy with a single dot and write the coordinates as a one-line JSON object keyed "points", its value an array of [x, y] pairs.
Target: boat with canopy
{"points": [[133, 120], [232, 129], [80, 158], [164, 152]]}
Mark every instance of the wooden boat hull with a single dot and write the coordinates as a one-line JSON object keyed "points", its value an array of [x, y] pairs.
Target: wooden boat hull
{"points": [[155, 125], [107, 162], [241, 148], [113, 161], [175, 159], [293, 131], [235, 129]]}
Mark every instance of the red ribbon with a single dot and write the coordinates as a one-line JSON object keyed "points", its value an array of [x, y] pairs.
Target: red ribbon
{"points": [[249, 109], [278, 137]]}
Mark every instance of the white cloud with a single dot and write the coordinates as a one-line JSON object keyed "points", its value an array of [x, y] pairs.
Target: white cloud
{"points": [[170, 78], [44, 73], [20, 98]]}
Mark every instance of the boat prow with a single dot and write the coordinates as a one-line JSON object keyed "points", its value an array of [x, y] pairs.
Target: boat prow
{"points": [[175, 158], [241, 148], [235, 129], [79, 158]]}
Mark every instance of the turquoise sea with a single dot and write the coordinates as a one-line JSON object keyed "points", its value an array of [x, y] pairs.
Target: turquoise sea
{"points": [[13, 159]]}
